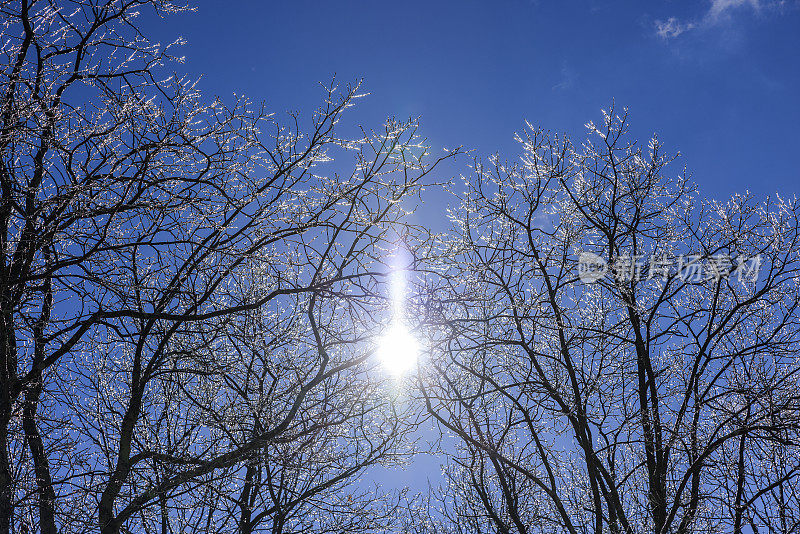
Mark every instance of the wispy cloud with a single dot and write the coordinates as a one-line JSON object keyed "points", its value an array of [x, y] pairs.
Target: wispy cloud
{"points": [[672, 27], [718, 11], [721, 8], [568, 78]]}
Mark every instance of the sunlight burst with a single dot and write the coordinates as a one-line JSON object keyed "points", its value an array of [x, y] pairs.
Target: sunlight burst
{"points": [[398, 350]]}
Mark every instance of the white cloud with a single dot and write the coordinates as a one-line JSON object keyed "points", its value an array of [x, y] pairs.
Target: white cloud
{"points": [[672, 27], [568, 78], [721, 7], [718, 11]]}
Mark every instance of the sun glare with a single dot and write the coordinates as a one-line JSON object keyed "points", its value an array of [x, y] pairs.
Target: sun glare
{"points": [[398, 350]]}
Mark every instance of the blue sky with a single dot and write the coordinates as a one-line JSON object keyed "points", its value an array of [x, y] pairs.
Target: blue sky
{"points": [[717, 79]]}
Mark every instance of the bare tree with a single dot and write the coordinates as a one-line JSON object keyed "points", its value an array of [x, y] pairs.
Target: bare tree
{"points": [[663, 399], [189, 289], [305, 483]]}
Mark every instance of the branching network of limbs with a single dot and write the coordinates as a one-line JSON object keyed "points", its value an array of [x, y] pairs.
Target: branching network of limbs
{"points": [[191, 292], [648, 404]]}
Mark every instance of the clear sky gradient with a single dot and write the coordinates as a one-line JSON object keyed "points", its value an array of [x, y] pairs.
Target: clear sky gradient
{"points": [[717, 80]]}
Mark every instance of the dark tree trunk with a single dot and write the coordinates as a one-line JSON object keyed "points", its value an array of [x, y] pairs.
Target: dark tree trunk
{"points": [[44, 482]]}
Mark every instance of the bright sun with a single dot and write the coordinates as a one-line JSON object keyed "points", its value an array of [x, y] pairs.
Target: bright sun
{"points": [[398, 350]]}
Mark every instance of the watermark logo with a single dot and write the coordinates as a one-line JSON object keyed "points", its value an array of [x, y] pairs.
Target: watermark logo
{"points": [[591, 267], [687, 267]]}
